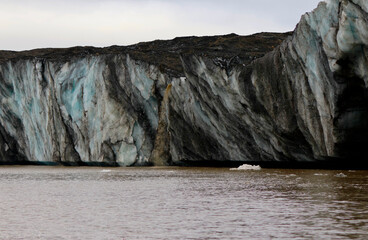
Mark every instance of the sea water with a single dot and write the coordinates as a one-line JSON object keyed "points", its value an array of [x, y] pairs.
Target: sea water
{"points": [[181, 203]]}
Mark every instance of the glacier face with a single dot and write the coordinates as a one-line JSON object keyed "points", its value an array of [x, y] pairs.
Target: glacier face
{"points": [[304, 101], [98, 109]]}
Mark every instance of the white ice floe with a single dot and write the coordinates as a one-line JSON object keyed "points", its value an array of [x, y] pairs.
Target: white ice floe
{"points": [[247, 167], [320, 174], [340, 175]]}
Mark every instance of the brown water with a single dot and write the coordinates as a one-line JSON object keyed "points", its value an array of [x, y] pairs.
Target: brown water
{"points": [[182, 203]]}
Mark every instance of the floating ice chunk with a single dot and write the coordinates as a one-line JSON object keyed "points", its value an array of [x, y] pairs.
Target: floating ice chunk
{"points": [[320, 174], [340, 175], [247, 167]]}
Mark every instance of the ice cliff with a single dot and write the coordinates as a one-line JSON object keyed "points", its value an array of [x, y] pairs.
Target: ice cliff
{"points": [[288, 98]]}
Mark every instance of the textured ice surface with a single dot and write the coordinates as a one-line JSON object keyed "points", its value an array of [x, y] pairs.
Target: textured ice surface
{"points": [[71, 111]]}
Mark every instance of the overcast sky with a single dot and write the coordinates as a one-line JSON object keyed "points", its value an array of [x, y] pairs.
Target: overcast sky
{"points": [[28, 24]]}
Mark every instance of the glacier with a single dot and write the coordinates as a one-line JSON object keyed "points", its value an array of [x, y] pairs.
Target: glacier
{"points": [[267, 99]]}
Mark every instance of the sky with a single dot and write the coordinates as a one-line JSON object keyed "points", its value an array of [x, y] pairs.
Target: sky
{"points": [[29, 24]]}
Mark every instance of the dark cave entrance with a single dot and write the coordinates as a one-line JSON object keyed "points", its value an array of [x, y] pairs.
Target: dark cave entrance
{"points": [[351, 123]]}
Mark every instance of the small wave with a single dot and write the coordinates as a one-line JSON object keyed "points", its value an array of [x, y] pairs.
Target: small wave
{"points": [[340, 175], [291, 175], [105, 170], [247, 167]]}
